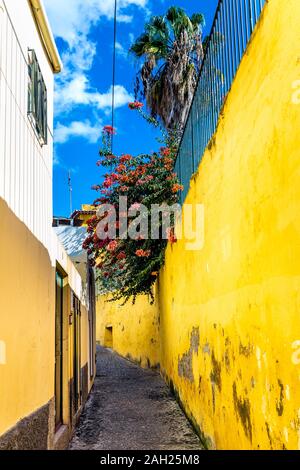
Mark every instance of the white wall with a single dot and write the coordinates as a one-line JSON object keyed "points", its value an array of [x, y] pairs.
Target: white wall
{"points": [[76, 281], [25, 166]]}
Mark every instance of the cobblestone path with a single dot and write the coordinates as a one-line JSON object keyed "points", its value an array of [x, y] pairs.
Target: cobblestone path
{"points": [[131, 408]]}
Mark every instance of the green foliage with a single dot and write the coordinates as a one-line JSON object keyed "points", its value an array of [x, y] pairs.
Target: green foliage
{"points": [[171, 48]]}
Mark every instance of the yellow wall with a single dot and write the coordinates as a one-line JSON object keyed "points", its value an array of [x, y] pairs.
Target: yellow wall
{"points": [[27, 306], [230, 318], [27, 330], [134, 329]]}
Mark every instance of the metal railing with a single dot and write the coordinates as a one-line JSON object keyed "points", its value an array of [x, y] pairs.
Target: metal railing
{"points": [[232, 27]]}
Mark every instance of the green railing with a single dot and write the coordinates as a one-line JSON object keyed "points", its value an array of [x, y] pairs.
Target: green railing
{"points": [[233, 25]]}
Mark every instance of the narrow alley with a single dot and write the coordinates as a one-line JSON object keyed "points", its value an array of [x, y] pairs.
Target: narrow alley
{"points": [[131, 408]]}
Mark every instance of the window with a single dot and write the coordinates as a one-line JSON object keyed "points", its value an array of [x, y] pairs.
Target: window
{"points": [[37, 98]]}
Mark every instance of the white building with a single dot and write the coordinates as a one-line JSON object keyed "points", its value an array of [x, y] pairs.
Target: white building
{"points": [[46, 306]]}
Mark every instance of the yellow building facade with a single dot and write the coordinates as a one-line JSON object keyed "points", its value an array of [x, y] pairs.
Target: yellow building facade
{"points": [[228, 314]]}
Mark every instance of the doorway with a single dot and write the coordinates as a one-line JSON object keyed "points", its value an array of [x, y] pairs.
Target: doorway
{"points": [[59, 351], [108, 338], [77, 353]]}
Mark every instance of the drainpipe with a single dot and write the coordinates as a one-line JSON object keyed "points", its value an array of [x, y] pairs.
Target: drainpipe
{"points": [[46, 35]]}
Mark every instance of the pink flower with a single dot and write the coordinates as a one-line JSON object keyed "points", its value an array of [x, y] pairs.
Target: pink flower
{"points": [[108, 183], [136, 206]]}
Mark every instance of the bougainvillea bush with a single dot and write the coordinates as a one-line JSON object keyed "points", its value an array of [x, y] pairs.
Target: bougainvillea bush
{"points": [[129, 266]]}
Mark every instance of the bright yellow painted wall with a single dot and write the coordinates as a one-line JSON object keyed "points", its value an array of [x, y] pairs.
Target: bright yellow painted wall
{"points": [[27, 306], [27, 326], [230, 313], [135, 329]]}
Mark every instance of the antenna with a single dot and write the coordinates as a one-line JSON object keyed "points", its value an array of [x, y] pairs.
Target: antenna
{"points": [[70, 191], [114, 75]]}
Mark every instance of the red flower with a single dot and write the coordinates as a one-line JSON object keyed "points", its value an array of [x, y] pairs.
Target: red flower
{"points": [[125, 158], [176, 188], [120, 168], [171, 236], [135, 105], [110, 130], [143, 253], [121, 255], [165, 151], [112, 246], [108, 182]]}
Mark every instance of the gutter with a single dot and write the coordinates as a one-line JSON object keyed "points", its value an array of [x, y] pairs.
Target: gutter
{"points": [[46, 35]]}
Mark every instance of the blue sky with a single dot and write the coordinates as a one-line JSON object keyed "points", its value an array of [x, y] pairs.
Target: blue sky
{"points": [[84, 34]]}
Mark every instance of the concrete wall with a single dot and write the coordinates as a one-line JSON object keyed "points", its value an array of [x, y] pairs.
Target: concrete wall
{"points": [[135, 329]]}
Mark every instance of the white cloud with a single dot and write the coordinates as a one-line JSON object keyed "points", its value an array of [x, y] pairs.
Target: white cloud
{"points": [[78, 92], [71, 18], [78, 129], [121, 51], [79, 57]]}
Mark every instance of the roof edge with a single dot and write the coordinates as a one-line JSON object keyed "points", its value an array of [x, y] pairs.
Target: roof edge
{"points": [[46, 35]]}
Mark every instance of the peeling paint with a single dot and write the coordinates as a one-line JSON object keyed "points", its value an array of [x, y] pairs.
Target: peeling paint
{"points": [[215, 375], [279, 402], [269, 434], [242, 408], [185, 363], [206, 349], [245, 350], [227, 360]]}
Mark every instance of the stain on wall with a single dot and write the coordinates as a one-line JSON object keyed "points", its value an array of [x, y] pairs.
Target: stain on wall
{"points": [[185, 363]]}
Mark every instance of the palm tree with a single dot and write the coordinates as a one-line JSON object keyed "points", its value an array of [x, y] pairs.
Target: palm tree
{"points": [[172, 50]]}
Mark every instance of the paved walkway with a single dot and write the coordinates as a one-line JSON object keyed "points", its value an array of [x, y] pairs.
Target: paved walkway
{"points": [[131, 408]]}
